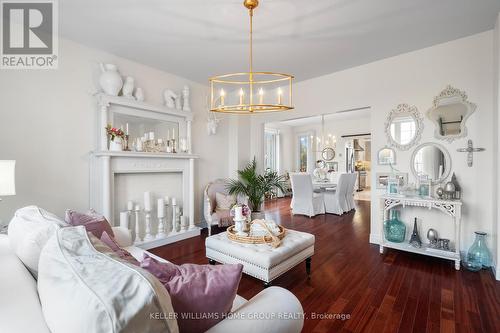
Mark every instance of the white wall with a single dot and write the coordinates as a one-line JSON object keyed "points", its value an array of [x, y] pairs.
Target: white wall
{"points": [[415, 78], [48, 124]]}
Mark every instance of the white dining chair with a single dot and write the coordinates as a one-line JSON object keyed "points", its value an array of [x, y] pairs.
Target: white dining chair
{"points": [[335, 200], [304, 200], [350, 191]]}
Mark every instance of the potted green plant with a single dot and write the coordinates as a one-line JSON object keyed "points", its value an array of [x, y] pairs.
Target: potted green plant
{"points": [[255, 186]]}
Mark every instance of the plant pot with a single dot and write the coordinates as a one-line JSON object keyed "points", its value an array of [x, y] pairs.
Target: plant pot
{"points": [[116, 145], [258, 216]]}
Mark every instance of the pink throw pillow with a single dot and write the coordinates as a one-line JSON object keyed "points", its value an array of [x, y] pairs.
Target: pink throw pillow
{"points": [[201, 294], [122, 253], [93, 222]]}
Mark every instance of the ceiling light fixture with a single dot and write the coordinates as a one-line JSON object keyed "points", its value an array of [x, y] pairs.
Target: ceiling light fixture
{"points": [[251, 92]]}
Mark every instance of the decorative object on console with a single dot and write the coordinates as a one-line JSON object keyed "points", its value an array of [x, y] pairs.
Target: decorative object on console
{"points": [[432, 236], [128, 87], [478, 256], [255, 186], [383, 178], [450, 112], [432, 160], [440, 192], [110, 80], [280, 84], [169, 98], [404, 116], [424, 186], [139, 94], [458, 188], [115, 137], [449, 190], [394, 228], [415, 237], [185, 99], [470, 150], [392, 186], [386, 156]]}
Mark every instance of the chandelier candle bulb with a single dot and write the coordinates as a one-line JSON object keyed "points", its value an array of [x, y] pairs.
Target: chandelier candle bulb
{"points": [[222, 97], [261, 96], [242, 96], [147, 201], [161, 208], [280, 96]]}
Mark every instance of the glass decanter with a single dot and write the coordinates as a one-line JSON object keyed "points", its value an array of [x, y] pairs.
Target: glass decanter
{"points": [[394, 228]]}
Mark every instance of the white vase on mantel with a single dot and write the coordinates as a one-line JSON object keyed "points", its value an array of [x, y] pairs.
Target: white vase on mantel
{"points": [[110, 80], [116, 145]]}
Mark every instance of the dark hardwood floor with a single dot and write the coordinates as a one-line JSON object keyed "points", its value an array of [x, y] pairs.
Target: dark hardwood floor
{"points": [[394, 292]]}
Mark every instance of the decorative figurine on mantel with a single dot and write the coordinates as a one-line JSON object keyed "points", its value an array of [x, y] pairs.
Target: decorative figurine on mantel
{"points": [[415, 238], [110, 80], [178, 102], [128, 87], [185, 99], [139, 95], [169, 98]]}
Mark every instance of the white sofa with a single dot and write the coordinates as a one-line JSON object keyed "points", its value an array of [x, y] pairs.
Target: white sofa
{"points": [[20, 309]]}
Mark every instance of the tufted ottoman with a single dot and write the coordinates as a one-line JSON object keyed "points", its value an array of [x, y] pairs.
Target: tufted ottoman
{"points": [[261, 260]]}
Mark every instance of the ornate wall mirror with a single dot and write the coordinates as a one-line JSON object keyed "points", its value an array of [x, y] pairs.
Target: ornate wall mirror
{"points": [[449, 113], [386, 156], [431, 160], [328, 154], [404, 126]]}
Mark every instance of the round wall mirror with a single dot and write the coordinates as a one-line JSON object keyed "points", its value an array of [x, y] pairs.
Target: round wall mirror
{"points": [[431, 160], [328, 154], [404, 127]]}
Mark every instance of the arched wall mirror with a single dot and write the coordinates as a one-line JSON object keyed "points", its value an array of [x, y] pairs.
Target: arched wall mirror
{"points": [[404, 126], [449, 113], [431, 160], [386, 156]]}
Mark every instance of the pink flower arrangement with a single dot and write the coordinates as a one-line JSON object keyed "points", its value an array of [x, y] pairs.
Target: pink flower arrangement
{"points": [[114, 132]]}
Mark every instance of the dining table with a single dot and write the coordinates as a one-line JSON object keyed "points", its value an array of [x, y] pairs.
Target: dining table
{"points": [[324, 184]]}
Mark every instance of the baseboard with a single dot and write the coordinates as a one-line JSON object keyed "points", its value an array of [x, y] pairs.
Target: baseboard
{"points": [[374, 239], [496, 270]]}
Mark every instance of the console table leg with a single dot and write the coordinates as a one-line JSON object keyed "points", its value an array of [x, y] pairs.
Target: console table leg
{"points": [[381, 249], [211, 261], [267, 284], [457, 265], [308, 266]]}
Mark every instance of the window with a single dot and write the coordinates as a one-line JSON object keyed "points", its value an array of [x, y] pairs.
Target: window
{"points": [[303, 152], [271, 151]]}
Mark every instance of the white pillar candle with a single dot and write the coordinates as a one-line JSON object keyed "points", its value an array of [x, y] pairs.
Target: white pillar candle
{"points": [[167, 200], [174, 201], [126, 128], [130, 205], [238, 213], [151, 135], [147, 201], [161, 208], [173, 134], [124, 218]]}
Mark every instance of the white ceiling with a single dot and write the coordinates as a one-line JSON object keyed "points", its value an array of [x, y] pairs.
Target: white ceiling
{"points": [[199, 38]]}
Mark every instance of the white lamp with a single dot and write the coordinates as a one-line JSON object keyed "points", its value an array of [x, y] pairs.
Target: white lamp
{"points": [[7, 178]]}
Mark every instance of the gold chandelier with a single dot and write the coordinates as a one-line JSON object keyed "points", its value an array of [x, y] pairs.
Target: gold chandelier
{"points": [[251, 92]]}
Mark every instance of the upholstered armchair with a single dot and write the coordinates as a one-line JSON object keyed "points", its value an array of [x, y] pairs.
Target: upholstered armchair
{"points": [[212, 217]]}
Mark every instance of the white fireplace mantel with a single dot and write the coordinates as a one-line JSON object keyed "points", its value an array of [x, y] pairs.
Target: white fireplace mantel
{"points": [[107, 165]]}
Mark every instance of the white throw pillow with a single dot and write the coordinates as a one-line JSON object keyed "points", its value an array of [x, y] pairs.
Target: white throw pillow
{"points": [[29, 230], [223, 201], [84, 287]]}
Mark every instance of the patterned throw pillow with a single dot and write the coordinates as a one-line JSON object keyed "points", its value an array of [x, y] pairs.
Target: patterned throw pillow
{"points": [[223, 201], [93, 222]]}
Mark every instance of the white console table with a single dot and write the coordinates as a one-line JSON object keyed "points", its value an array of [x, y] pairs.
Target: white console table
{"points": [[453, 208]]}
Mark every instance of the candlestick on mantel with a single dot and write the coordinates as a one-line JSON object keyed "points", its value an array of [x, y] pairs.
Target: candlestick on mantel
{"points": [[174, 215], [130, 205], [161, 218], [167, 200], [147, 201], [124, 219], [137, 240], [148, 236]]}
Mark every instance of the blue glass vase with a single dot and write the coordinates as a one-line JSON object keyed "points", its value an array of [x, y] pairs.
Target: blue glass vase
{"points": [[478, 255], [394, 228]]}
